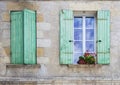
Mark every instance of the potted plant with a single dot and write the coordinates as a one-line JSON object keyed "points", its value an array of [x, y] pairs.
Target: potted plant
{"points": [[87, 58]]}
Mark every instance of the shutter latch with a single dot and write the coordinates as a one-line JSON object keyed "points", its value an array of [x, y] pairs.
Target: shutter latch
{"points": [[98, 41], [70, 40]]}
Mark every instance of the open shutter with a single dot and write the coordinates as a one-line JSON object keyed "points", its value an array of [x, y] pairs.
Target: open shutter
{"points": [[29, 37], [66, 37], [103, 37], [16, 35]]}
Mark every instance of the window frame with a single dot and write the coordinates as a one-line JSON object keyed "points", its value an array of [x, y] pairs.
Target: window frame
{"points": [[83, 15]]}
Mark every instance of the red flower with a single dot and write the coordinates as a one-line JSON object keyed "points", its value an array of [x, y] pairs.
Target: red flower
{"points": [[86, 54]]}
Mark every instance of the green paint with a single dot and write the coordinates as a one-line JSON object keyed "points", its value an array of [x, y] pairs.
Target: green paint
{"points": [[23, 37], [103, 34], [66, 34], [16, 37], [29, 37]]}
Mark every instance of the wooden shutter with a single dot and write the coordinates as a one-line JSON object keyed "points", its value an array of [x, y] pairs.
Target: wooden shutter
{"points": [[66, 37], [29, 37], [16, 41], [103, 37]]}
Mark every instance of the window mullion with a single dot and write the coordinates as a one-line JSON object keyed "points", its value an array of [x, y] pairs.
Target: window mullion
{"points": [[84, 42]]}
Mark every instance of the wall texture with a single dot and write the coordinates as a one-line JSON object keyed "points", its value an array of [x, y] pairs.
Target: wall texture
{"points": [[50, 72]]}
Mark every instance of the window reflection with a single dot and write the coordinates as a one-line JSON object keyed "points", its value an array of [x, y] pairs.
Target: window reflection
{"points": [[89, 22], [77, 22]]}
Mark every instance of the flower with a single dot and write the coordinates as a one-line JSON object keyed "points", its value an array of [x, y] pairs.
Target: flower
{"points": [[87, 58]]}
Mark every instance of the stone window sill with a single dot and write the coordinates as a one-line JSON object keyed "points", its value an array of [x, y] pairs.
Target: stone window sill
{"points": [[22, 66], [84, 66]]}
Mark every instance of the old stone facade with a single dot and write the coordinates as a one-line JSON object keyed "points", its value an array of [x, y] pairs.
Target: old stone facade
{"points": [[48, 71]]}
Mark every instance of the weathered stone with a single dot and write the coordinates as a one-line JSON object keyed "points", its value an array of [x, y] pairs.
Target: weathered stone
{"points": [[40, 17], [5, 42], [14, 6], [30, 5], [42, 60], [6, 34], [43, 26], [6, 17], [7, 51], [5, 25], [40, 34], [21, 5], [40, 52], [2, 6], [43, 42]]}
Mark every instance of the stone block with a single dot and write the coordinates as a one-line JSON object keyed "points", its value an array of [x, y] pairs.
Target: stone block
{"points": [[43, 26], [40, 34], [40, 52], [5, 42], [14, 6], [40, 17], [6, 34], [43, 42], [21, 5], [5, 25], [7, 51], [30, 5], [6, 16], [42, 60], [2, 69], [2, 6], [85, 6]]}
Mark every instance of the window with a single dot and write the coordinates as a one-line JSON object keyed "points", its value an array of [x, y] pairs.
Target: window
{"points": [[84, 36], [23, 37], [79, 33]]}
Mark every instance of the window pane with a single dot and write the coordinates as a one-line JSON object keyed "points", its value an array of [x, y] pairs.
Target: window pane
{"points": [[76, 57], [77, 22], [89, 34], [89, 22], [90, 46], [78, 34], [78, 46]]}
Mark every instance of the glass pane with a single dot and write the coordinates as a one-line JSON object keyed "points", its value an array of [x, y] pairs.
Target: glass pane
{"points": [[78, 46], [76, 57], [90, 46], [89, 34], [77, 22], [89, 22], [78, 34]]}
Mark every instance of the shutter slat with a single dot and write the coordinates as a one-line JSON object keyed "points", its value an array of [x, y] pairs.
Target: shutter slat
{"points": [[66, 34], [16, 34], [103, 34], [29, 37]]}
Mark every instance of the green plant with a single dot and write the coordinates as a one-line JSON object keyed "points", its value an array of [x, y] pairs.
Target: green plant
{"points": [[87, 58]]}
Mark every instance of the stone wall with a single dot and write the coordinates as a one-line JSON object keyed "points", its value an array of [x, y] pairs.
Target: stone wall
{"points": [[48, 45]]}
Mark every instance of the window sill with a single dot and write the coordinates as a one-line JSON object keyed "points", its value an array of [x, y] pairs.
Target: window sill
{"points": [[22, 66], [84, 66]]}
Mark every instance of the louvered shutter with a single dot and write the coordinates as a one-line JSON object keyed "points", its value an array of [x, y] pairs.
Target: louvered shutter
{"points": [[29, 37], [16, 34], [66, 37], [103, 37]]}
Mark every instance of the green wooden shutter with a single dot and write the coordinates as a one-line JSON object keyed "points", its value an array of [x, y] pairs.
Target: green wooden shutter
{"points": [[29, 37], [66, 35], [103, 37], [16, 35]]}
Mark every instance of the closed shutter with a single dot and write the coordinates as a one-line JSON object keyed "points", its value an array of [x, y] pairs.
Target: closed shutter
{"points": [[16, 35], [66, 37], [29, 37], [103, 37]]}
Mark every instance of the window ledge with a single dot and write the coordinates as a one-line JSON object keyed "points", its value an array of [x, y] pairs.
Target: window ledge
{"points": [[22, 66], [84, 66]]}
